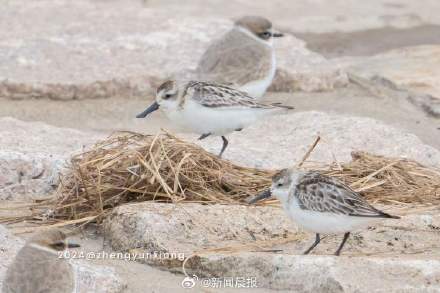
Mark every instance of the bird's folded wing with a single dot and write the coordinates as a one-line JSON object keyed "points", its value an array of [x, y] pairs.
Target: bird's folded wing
{"points": [[324, 194], [220, 96]]}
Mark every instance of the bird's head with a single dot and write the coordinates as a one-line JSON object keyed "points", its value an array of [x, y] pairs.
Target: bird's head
{"points": [[166, 97], [258, 27], [280, 187], [54, 239]]}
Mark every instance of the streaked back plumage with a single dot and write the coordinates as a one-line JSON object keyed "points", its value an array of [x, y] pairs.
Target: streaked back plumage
{"points": [[215, 95], [320, 193]]}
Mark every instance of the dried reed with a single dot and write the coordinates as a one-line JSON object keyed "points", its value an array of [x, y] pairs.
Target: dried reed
{"points": [[134, 167], [131, 167], [389, 180]]}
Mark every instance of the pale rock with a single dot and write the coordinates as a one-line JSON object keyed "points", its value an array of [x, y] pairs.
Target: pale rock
{"points": [[281, 141], [93, 278], [28, 176], [182, 228], [261, 242], [299, 69], [415, 69], [305, 16], [94, 49], [32, 155], [318, 273], [9, 246]]}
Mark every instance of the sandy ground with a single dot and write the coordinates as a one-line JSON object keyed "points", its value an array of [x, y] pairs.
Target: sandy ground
{"points": [[314, 16], [369, 42]]}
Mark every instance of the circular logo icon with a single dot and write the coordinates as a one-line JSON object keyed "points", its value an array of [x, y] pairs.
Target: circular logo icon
{"points": [[188, 283]]}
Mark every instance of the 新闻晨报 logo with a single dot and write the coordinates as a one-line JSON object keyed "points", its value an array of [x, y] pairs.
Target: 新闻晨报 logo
{"points": [[189, 282]]}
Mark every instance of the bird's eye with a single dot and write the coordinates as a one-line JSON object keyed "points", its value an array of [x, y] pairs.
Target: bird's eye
{"points": [[167, 96], [279, 184], [265, 35], [58, 245]]}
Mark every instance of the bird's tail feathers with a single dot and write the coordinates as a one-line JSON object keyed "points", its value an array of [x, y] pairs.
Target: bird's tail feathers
{"points": [[280, 105], [388, 216]]}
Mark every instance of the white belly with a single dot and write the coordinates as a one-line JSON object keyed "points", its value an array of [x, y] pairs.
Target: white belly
{"points": [[326, 223], [258, 88], [204, 120]]}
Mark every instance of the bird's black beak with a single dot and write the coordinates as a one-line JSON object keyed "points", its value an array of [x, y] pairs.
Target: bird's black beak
{"points": [[277, 35], [73, 245], [261, 196], [149, 110]]}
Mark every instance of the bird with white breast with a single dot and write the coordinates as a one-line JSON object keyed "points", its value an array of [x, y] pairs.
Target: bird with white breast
{"points": [[209, 108], [321, 204], [244, 57]]}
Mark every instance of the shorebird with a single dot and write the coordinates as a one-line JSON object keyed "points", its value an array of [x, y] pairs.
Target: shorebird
{"points": [[209, 108], [244, 57], [321, 204], [38, 267]]}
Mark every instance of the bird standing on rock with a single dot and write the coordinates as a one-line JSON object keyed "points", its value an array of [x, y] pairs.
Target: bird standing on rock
{"points": [[321, 204], [209, 108]]}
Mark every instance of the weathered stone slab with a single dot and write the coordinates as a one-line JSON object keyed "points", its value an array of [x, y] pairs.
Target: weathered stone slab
{"points": [[317, 273], [32, 154], [93, 49], [305, 16], [415, 69], [184, 228], [282, 141], [260, 242]]}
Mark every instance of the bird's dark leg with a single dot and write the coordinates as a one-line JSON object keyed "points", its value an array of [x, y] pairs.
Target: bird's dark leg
{"points": [[338, 252], [205, 135], [317, 240], [225, 144]]}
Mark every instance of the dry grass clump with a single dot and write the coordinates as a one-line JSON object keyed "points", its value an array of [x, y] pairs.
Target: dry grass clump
{"points": [[131, 167], [389, 180], [134, 167]]}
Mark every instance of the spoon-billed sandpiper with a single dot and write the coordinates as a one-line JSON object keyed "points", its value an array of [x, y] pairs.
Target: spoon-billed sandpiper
{"points": [[209, 108], [244, 57], [321, 204]]}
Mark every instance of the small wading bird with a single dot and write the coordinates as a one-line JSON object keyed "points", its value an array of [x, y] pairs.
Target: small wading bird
{"points": [[244, 57], [321, 204], [209, 108], [38, 267]]}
